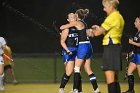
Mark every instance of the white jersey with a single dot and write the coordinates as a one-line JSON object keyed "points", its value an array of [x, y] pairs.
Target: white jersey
{"points": [[2, 43]]}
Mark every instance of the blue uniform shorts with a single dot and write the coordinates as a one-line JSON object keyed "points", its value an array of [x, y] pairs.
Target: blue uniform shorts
{"points": [[136, 59], [67, 57], [84, 51]]}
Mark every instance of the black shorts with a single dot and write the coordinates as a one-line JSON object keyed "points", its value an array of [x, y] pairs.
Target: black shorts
{"points": [[112, 58]]}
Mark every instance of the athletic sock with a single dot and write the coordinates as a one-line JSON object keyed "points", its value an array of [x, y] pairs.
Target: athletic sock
{"points": [[112, 88], [131, 82], [93, 81], [80, 84], [1, 80], [76, 80], [118, 89], [64, 80]]}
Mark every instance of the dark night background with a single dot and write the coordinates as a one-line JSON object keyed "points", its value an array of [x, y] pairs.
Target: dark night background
{"points": [[29, 25]]}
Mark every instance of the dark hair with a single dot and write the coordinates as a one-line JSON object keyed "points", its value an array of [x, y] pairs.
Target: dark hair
{"points": [[69, 14], [82, 13]]}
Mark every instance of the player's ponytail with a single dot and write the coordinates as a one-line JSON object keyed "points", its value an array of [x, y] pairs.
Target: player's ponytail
{"points": [[82, 13]]}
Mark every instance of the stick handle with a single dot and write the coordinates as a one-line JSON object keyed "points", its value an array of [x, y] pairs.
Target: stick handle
{"points": [[8, 57]]}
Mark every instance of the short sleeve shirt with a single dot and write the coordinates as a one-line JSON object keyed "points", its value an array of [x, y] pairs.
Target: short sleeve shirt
{"points": [[113, 24]]}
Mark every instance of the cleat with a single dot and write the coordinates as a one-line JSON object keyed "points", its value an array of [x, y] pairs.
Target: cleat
{"points": [[15, 82], [61, 90], [97, 91], [75, 91], [1, 88], [81, 92], [129, 91]]}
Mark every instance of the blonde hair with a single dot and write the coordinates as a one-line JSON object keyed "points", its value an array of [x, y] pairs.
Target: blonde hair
{"points": [[82, 13], [114, 3]]}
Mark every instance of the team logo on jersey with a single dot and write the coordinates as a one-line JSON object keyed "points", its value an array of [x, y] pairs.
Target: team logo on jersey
{"points": [[73, 35]]}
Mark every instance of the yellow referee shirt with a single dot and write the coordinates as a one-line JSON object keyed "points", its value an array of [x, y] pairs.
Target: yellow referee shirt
{"points": [[113, 24]]}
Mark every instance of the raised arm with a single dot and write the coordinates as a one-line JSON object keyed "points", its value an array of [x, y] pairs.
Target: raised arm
{"points": [[66, 26]]}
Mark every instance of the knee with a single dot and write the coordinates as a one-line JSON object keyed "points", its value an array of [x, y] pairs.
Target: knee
{"points": [[110, 77], [1, 72], [69, 73], [129, 72], [139, 73], [77, 69]]}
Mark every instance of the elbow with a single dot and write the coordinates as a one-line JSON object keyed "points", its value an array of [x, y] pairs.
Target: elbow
{"points": [[62, 27], [62, 43]]}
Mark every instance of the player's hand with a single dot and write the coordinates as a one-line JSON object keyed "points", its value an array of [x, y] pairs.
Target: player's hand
{"points": [[69, 53], [131, 41], [90, 32], [95, 27]]}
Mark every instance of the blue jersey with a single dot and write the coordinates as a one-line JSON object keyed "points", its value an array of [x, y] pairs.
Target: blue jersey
{"points": [[137, 40], [136, 58], [72, 38], [71, 42]]}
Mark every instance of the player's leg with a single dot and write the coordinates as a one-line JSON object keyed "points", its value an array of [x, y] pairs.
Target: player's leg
{"points": [[91, 75], [66, 76], [138, 65], [80, 85], [77, 75], [131, 68], [12, 74], [1, 74], [138, 68]]}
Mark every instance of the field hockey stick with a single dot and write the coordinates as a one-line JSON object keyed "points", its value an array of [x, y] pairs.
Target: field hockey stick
{"points": [[8, 57]]}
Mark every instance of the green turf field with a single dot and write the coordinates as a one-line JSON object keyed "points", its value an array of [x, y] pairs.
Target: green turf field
{"points": [[48, 69], [53, 88], [43, 74]]}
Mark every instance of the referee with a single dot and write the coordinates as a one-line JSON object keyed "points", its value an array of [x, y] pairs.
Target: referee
{"points": [[112, 29]]}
